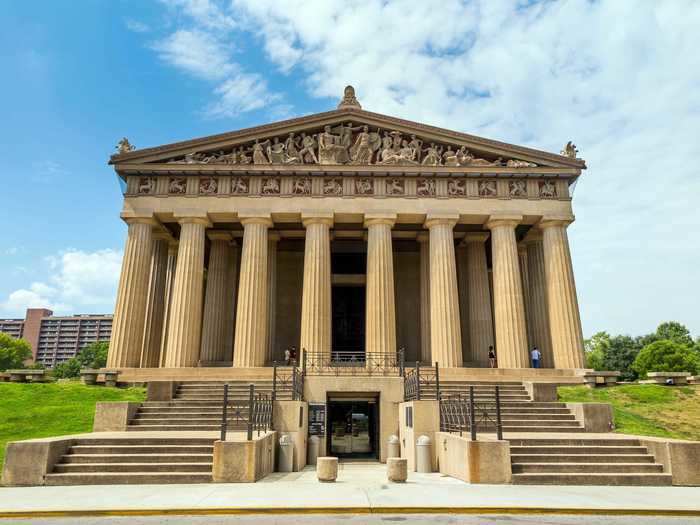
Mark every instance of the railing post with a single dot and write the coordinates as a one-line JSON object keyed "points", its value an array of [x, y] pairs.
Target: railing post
{"points": [[402, 357], [472, 419], [437, 381], [274, 380], [224, 416], [417, 380], [251, 410], [303, 361], [294, 384], [499, 428]]}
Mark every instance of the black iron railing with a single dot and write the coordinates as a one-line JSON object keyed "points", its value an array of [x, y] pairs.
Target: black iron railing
{"points": [[353, 363], [254, 414], [462, 412], [421, 382], [287, 378]]}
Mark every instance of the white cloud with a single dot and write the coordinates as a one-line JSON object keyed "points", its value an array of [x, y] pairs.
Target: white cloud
{"points": [[197, 53], [76, 282]]}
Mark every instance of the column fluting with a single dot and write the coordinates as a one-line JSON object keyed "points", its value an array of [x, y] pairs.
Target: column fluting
{"points": [[380, 329], [538, 316], [564, 316], [155, 306], [525, 279], [316, 292], [424, 241], [132, 295], [445, 333], [169, 282], [231, 287], [479, 298], [185, 323], [510, 322], [214, 318], [251, 313], [272, 240]]}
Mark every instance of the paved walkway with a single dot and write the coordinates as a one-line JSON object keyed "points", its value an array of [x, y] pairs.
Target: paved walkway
{"points": [[361, 487]]}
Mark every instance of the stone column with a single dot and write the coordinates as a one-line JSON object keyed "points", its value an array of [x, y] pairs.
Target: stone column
{"points": [[445, 333], [479, 298], [214, 319], [155, 307], [538, 316], [169, 281], [316, 293], [231, 287], [380, 308], [132, 295], [511, 332], [463, 288], [424, 241], [251, 313], [185, 323], [272, 240], [525, 280], [564, 316]]}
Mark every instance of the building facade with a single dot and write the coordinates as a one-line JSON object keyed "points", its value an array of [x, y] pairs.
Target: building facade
{"points": [[55, 339], [346, 233]]}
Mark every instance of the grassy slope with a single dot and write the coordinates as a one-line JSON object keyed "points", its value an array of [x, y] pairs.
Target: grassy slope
{"points": [[42, 410], [648, 410]]}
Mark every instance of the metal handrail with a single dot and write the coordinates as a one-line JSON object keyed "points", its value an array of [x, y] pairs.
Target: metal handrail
{"points": [[419, 380], [256, 412], [340, 362], [462, 412], [288, 376]]}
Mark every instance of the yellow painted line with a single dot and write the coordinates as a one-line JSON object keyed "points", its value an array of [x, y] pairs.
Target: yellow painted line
{"points": [[348, 510]]}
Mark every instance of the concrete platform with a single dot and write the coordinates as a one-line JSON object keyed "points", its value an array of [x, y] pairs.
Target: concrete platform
{"points": [[361, 488]]}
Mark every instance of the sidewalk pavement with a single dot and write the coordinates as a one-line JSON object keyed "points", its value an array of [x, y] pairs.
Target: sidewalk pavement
{"points": [[361, 488]]}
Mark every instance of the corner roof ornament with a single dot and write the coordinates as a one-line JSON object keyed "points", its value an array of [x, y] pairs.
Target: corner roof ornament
{"points": [[570, 150], [349, 100], [124, 146]]}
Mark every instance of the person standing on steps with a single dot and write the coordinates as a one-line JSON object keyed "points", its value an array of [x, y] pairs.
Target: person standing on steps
{"points": [[536, 357], [492, 357], [287, 356]]}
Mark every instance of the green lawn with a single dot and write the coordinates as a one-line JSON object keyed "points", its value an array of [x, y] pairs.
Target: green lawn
{"points": [[51, 409], [647, 410]]}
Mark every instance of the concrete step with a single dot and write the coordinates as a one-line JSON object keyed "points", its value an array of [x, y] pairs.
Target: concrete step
{"points": [[578, 468], [179, 421], [579, 458], [65, 468], [576, 450], [150, 441], [593, 479], [136, 458], [521, 442], [130, 478], [141, 449], [184, 427]]}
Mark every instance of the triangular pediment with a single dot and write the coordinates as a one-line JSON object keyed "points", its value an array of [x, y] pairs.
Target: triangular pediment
{"points": [[347, 136]]}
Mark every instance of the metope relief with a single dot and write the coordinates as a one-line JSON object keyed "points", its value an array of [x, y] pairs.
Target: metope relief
{"points": [[425, 188], [270, 186], [147, 185], [240, 186], [177, 185], [517, 188], [347, 143], [332, 187], [456, 187], [395, 187], [547, 189], [364, 186], [488, 188], [208, 186], [301, 186]]}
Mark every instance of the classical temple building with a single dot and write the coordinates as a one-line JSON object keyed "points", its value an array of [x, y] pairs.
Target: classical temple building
{"points": [[348, 234]]}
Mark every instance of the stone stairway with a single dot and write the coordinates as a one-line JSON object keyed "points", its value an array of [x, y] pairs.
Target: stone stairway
{"points": [[584, 461], [518, 412], [136, 460], [198, 406]]}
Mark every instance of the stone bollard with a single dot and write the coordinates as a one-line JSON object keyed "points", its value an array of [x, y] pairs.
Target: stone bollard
{"points": [[327, 468], [424, 462], [314, 447], [393, 447], [286, 455], [397, 469]]}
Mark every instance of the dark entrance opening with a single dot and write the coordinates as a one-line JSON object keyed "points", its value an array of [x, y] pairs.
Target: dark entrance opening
{"points": [[352, 428], [348, 307]]}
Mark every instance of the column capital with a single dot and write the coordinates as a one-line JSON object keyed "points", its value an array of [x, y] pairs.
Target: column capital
{"points": [[162, 235], [131, 217], [549, 221], [423, 237], [218, 235], [503, 220], [434, 219], [317, 218], [372, 219], [534, 234], [193, 218], [475, 237], [256, 218]]}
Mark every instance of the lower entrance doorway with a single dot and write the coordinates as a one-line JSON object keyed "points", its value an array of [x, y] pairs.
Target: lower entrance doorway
{"points": [[352, 428]]}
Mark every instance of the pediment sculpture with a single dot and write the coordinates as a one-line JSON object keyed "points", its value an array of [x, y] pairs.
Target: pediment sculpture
{"points": [[348, 143]]}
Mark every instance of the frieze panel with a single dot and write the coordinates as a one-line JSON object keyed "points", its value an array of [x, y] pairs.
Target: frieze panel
{"points": [[425, 187], [147, 185], [363, 186], [488, 188], [177, 185], [547, 189], [456, 187], [333, 187], [301, 186], [517, 188], [347, 143], [270, 186], [240, 186], [208, 186], [395, 187]]}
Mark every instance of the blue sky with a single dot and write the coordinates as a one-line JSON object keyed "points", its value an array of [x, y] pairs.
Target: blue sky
{"points": [[620, 78]]}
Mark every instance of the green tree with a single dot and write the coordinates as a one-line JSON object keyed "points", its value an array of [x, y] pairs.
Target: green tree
{"points": [[595, 348], [670, 331], [620, 354], [93, 355], [666, 356], [13, 352]]}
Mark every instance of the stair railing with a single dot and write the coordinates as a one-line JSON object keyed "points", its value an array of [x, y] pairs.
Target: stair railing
{"points": [[256, 413], [461, 413]]}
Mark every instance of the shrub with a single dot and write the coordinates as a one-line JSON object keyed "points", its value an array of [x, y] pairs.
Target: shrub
{"points": [[13, 352], [666, 356], [93, 355]]}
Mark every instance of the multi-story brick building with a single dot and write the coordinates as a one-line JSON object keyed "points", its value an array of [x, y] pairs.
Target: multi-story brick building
{"points": [[55, 339]]}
